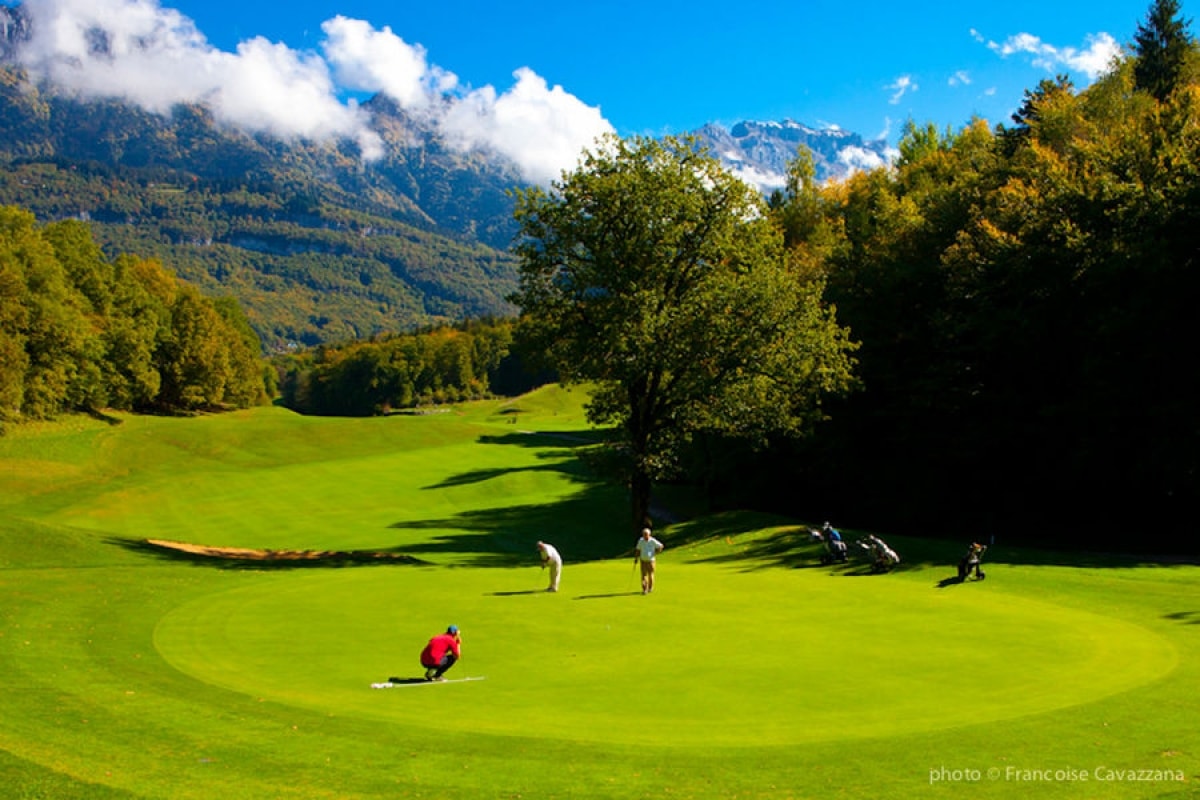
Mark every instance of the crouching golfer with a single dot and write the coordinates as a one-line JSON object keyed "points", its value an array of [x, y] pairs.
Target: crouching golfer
{"points": [[441, 653], [551, 558], [647, 548]]}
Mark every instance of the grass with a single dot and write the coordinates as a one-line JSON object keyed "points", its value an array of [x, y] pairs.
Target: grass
{"points": [[141, 672]]}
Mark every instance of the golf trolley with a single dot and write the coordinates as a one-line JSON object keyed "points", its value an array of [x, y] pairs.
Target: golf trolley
{"points": [[874, 549], [835, 548]]}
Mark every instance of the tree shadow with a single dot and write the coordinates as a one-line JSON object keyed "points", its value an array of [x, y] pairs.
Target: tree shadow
{"points": [[484, 475], [587, 526], [559, 458], [564, 439], [791, 548]]}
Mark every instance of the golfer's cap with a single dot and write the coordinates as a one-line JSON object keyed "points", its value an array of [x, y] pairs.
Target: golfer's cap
{"points": [[452, 629]]}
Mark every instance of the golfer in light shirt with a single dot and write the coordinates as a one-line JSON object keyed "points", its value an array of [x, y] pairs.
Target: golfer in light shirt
{"points": [[647, 548], [551, 558]]}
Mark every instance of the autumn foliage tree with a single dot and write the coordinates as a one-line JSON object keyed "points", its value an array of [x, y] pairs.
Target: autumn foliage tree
{"points": [[1025, 299], [80, 332]]}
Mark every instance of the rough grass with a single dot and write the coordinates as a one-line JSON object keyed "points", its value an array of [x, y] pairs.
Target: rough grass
{"points": [[142, 671]]}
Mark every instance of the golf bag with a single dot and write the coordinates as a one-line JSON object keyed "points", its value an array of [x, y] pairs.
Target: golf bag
{"points": [[882, 557], [971, 561]]}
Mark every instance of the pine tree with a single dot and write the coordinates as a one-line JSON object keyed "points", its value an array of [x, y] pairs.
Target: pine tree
{"points": [[1161, 47]]}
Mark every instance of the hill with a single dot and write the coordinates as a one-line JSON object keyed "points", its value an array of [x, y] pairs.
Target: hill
{"points": [[315, 246]]}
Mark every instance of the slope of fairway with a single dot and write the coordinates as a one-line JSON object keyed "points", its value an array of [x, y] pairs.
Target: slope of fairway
{"points": [[140, 671]]}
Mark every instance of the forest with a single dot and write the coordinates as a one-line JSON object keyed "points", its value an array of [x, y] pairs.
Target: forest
{"points": [[80, 332], [1025, 301]]}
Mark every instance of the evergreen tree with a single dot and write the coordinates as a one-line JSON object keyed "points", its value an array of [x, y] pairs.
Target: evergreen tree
{"points": [[1161, 47]]}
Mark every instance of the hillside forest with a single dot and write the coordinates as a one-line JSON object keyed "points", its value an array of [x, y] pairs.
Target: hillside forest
{"points": [[1021, 297]]}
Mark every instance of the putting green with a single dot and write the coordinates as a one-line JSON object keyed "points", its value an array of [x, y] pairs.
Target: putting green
{"points": [[851, 658]]}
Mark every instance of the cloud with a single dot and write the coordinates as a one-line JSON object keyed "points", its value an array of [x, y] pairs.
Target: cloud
{"points": [[542, 129], [366, 59], [900, 87], [960, 78], [155, 57], [859, 159], [765, 181], [1094, 60]]}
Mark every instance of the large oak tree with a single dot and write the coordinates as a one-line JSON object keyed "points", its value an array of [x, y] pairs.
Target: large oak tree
{"points": [[658, 277]]}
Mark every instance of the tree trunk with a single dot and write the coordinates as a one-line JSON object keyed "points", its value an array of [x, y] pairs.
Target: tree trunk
{"points": [[639, 488]]}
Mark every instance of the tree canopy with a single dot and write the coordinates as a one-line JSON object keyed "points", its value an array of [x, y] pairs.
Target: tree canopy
{"points": [[657, 276], [79, 332], [1024, 300]]}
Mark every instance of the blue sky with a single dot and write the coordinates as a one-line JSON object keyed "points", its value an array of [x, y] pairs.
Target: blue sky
{"points": [[538, 78]]}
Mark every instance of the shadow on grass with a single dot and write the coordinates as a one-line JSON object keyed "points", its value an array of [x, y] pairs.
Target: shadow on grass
{"points": [[636, 593], [587, 526], [566, 439], [242, 558], [559, 459], [789, 546], [955, 580], [1184, 617], [482, 475]]}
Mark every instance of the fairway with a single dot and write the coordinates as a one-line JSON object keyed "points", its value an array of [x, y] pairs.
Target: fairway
{"points": [[141, 671]]}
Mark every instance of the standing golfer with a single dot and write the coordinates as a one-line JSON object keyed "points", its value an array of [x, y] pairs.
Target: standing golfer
{"points": [[441, 653], [551, 558], [647, 548]]}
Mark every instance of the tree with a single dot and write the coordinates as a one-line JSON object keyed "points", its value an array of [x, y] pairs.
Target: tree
{"points": [[657, 276], [1161, 46]]}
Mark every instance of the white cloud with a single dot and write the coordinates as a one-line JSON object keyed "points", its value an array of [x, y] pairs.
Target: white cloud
{"points": [[544, 130], [156, 57], [1093, 61], [900, 87], [887, 128], [764, 180], [960, 78], [372, 60], [859, 159]]}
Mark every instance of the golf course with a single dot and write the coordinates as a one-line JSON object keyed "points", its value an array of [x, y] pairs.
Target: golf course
{"points": [[198, 607]]}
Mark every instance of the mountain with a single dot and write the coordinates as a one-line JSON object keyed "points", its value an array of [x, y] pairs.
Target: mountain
{"points": [[759, 152], [316, 243]]}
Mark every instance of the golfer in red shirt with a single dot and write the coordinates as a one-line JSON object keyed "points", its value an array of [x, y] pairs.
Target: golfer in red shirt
{"points": [[441, 653]]}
